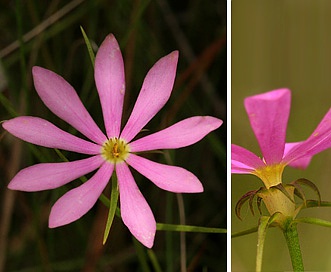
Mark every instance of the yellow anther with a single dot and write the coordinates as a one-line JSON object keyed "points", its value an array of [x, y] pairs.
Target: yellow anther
{"points": [[115, 150]]}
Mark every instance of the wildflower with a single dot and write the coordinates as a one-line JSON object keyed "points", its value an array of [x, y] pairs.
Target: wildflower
{"points": [[111, 153], [268, 114]]}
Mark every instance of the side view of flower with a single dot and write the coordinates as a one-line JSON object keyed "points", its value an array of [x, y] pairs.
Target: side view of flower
{"points": [[268, 115], [111, 153]]}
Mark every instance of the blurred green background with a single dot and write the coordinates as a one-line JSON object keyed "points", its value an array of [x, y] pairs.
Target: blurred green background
{"points": [[47, 33], [275, 44]]}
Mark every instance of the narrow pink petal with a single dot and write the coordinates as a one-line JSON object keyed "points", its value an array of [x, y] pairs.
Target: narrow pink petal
{"points": [[318, 141], [110, 82], [41, 132], [268, 114], [167, 177], [61, 98], [244, 161], [240, 168], [45, 176], [183, 133], [154, 93], [77, 202], [136, 213], [301, 163]]}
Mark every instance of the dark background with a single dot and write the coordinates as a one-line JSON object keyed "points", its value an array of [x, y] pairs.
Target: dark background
{"points": [[47, 34]]}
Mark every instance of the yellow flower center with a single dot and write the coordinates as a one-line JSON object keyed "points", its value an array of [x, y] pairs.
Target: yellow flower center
{"points": [[271, 175], [115, 150]]}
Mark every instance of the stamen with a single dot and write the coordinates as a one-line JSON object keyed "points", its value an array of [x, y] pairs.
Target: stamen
{"points": [[115, 150]]}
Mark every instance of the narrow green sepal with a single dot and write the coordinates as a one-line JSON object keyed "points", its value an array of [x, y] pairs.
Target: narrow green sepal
{"points": [[112, 206], [299, 192], [247, 196], [311, 185], [88, 45]]}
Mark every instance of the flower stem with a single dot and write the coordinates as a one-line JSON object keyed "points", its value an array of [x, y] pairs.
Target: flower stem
{"points": [[292, 240]]}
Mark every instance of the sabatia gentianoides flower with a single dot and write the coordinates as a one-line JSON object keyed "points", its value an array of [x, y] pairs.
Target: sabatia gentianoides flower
{"points": [[268, 114], [113, 151]]}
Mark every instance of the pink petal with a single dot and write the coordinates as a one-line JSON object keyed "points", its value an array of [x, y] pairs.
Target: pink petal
{"points": [[110, 82], [268, 114], [45, 176], [77, 202], [167, 177], [61, 98], [154, 93], [240, 168], [301, 163], [136, 213], [244, 161], [41, 132], [318, 141], [181, 134]]}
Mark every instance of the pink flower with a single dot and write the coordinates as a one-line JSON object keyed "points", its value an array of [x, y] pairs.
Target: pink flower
{"points": [[268, 114], [113, 152]]}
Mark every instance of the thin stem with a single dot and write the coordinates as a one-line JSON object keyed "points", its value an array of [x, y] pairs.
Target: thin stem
{"points": [[261, 234], [182, 234], [188, 228], [244, 232], [292, 240]]}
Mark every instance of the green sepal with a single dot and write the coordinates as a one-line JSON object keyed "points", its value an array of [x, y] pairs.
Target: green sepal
{"points": [[89, 46], [247, 196], [112, 206], [306, 182]]}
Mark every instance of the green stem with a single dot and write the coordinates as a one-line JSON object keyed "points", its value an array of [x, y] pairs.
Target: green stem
{"points": [[187, 228], [292, 240]]}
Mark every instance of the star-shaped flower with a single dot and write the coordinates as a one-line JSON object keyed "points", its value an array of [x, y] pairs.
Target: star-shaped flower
{"points": [[112, 152], [268, 114]]}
